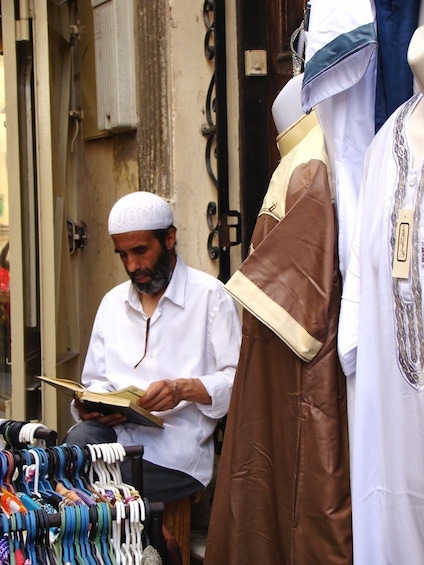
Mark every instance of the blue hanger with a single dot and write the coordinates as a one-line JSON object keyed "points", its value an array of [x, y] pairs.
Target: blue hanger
{"points": [[31, 532], [68, 524]]}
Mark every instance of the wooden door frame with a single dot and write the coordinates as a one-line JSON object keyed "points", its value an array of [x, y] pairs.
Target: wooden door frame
{"points": [[264, 25]]}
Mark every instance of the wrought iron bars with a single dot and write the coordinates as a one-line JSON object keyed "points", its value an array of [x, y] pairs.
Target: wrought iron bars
{"points": [[215, 131]]}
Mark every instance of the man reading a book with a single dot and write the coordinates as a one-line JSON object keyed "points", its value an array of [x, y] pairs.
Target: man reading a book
{"points": [[175, 333]]}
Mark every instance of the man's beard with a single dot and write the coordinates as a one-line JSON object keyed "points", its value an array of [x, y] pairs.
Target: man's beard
{"points": [[160, 275]]}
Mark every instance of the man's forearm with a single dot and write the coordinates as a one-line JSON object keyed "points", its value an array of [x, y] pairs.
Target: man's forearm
{"points": [[193, 390]]}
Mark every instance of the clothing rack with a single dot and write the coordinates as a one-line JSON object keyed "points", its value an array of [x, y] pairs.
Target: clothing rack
{"points": [[154, 513], [98, 525], [49, 436], [136, 453], [149, 516], [17, 434]]}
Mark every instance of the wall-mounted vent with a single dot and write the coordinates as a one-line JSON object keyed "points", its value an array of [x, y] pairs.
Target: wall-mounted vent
{"points": [[114, 48]]}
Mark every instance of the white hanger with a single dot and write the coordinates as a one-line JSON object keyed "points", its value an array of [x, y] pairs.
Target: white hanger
{"points": [[116, 530], [136, 527]]}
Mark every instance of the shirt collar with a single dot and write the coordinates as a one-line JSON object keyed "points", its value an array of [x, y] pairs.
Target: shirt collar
{"points": [[175, 291]]}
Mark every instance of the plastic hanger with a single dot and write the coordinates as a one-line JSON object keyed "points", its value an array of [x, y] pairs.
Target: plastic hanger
{"points": [[79, 463], [31, 532], [84, 537], [4, 541], [27, 434], [3, 466], [136, 528], [43, 548], [69, 527], [117, 529], [17, 547], [10, 503], [41, 485], [113, 454], [7, 478], [79, 534], [106, 534], [96, 520]]}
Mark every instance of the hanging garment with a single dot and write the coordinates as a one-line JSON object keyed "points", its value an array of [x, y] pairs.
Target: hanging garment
{"points": [[282, 492], [381, 346], [396, 22], [339, 82]]}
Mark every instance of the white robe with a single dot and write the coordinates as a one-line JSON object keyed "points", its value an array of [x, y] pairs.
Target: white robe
{"points": [[339, 82], [381, 347]]}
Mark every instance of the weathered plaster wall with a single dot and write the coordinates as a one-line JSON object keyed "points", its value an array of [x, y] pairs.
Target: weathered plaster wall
{"points": [[167, 152], [189, 77], [109, 169], [173, 84], [190, 74]]}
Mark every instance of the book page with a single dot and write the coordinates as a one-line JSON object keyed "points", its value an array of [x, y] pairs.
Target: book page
{"points": [[131, 393], [64, 385]]}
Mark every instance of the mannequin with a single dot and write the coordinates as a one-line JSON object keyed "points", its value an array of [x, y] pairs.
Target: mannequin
{"points": [[381, 345], [282, 489], [287, 107], [415, 124]]}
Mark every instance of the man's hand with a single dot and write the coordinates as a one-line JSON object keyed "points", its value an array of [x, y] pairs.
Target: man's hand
{"points": [[166, 394], [108, 419]]}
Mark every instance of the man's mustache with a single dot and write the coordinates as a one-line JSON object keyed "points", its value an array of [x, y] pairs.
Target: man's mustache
{"points": [[141, 273]]}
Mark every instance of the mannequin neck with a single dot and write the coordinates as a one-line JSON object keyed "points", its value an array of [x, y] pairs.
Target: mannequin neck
{"points": [[416, 56], [415, 133]]}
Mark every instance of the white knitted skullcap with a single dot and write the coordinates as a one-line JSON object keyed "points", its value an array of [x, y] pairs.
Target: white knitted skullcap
{"points": [[139, 211]]}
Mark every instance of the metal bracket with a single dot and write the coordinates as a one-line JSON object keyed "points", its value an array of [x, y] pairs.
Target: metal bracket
{"points": [[77, 235], [74, 34], [228, 224]]}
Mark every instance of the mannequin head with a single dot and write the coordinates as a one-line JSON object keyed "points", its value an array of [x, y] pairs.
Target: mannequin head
{"points": [[287, 107], [416, 56]]}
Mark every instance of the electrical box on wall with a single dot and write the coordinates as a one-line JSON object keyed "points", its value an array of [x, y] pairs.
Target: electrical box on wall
{"points": [[114, 50]]}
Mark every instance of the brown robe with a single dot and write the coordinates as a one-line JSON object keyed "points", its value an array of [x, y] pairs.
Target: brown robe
{"points": [[283, 493]]}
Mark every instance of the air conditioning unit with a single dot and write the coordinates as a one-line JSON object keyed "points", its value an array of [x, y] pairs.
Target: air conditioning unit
{"points": [[114, 51]]}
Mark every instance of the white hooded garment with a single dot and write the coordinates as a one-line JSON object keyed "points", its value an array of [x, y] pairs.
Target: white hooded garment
{"points": [[339, 82]]}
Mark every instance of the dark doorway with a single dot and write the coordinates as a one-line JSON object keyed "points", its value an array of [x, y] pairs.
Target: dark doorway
{"points": [[262, 25]]}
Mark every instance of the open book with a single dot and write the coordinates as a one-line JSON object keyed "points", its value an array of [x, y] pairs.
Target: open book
{"points": [[122, 401]]}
